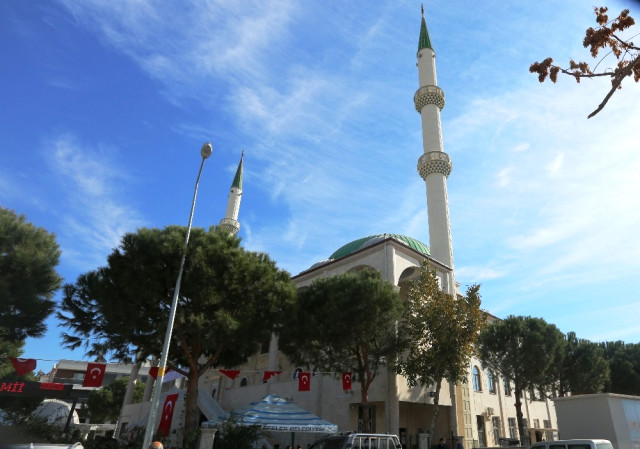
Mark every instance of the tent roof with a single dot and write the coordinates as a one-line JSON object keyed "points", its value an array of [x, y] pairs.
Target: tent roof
{"points": [[277, 414]]}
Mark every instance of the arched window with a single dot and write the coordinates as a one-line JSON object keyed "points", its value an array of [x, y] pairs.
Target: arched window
{"points": [[477, 385], [490, 382], [244, 382], [297, 372]]}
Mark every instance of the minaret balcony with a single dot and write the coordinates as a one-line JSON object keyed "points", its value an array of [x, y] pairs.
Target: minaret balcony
{"points": [[434, 162], [230, 225], [428, 95]]}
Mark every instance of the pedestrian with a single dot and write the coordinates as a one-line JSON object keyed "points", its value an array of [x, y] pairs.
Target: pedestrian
{"points": [[442, 444], [156, 445], [458, 444]]}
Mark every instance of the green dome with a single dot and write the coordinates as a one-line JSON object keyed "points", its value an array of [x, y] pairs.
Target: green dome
{"points": [[356, 245]]}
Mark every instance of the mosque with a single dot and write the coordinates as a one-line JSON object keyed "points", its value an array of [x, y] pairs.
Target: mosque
{"points": [[481, 412]]}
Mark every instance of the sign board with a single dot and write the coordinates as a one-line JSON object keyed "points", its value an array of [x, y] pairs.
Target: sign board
{"points": [[34, 389]]}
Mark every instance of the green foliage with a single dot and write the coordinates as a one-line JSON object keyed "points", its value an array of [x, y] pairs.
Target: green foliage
{"points": [[231, 435], [441, 332], [584, 368], [28, 279], [23, 428], [230, 301], [345, 322], [624, 363], [105, 403], [525, 350]]}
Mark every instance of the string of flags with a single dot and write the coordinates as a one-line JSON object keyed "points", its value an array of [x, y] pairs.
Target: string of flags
{"points": [[304, 378], [95, 372]]}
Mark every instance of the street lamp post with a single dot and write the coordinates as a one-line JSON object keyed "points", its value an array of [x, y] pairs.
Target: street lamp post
{"points": [[205, 152]]}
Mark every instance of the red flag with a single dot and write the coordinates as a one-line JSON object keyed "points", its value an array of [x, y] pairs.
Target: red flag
{"points": [[94, 374], [23, 366], [230, 373], [304, 381], [167, 414], [346, 381], [153, 371], [268, 375]]}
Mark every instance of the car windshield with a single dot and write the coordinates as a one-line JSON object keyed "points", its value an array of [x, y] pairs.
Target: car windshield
{"points": [[604, 446]]}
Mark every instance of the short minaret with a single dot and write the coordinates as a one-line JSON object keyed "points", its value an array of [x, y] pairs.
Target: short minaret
{"points": [[230, 220], [434, 165]]}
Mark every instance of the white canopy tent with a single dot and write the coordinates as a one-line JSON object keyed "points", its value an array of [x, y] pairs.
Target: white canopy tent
{"points": [[274, 413]]}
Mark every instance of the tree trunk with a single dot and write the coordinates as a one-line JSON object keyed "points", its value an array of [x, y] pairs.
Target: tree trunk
{"points": [[436, 408], [192, 413], [521, 429]]}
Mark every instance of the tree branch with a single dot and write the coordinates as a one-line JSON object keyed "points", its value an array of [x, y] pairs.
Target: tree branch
{"points": [[616, 84]]}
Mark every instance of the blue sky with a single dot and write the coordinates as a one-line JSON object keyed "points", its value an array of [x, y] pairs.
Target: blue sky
{"points": [[106, 104]]}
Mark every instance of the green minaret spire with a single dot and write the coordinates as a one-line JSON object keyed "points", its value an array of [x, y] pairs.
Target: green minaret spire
{"points": [[237, 180], [424, 41]]}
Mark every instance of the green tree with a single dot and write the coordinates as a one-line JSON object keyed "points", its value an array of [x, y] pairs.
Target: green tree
{"points": [[442, 331], [584, 368], [526, 351], [105, 403], [345, 322], [28, 278], [232, 435], [606, 35], [230, 301], [624, 363]]}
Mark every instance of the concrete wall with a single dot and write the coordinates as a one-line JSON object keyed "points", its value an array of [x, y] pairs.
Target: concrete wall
{"points": [[613, 417]]}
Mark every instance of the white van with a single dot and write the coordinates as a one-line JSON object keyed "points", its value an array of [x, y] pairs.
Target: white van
{"points": [[352, 440], [573, 444]]}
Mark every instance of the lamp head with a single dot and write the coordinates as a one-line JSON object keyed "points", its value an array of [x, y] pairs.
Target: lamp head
{"points": [[206, 150]]}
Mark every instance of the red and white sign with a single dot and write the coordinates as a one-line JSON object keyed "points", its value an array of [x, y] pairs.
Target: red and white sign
{"points": [[167, 414], [23, 366], [346, 381], [94, 375], [304, 381]]}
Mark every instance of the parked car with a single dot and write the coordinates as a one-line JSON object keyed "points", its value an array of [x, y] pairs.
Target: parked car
{"points": [[352, 440]]}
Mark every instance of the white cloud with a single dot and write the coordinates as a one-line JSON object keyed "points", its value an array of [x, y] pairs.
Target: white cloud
{"points": [[94, 210]]}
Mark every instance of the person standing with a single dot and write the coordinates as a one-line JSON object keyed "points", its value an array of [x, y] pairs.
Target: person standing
{"points": [[442, 444]]}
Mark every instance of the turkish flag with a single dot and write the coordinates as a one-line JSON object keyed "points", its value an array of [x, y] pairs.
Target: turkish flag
{"points": [[167, 414], [153, 371], [230, 373], [23, 366], [304, 381], [346, 381], [268, 375], [94, 374]]}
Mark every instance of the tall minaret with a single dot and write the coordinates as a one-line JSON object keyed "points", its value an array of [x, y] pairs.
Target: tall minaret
{"points": [[434, 165], [230, 220]]}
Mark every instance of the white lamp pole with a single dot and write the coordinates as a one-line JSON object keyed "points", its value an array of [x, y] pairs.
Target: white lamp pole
{"points": [[205, 152]]}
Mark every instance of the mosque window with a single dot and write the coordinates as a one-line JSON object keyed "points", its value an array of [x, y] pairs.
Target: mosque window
{"points": [[491, 382], [507, 387], [477, 385]]}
